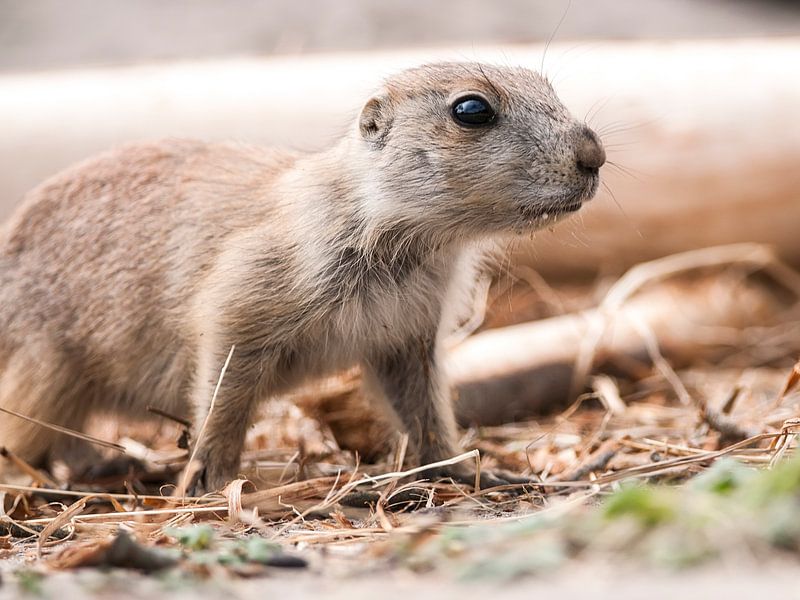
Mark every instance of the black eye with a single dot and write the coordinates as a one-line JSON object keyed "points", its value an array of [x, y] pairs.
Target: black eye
{"points": [[473, 111]]}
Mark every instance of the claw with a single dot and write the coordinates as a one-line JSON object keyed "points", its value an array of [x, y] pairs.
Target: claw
{"points": [[192, 480]]}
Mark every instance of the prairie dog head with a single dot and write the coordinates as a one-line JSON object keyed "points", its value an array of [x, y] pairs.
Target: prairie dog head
{"points": [[474, 149]]}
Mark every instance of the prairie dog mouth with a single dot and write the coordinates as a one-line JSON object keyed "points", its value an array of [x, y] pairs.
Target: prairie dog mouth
{"points": [[549, 210], [550, 213], [566, 208]]}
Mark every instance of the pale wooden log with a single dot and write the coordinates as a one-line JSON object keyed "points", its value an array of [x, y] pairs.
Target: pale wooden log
{"points": [[707, 128], [517, 372]]}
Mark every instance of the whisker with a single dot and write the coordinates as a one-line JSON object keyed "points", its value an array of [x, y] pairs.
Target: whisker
{"points": [[590, 117], [613, 196], [624, 170], [617, 127], [552, 36]]}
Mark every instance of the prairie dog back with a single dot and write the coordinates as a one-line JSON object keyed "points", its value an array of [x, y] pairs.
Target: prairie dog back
{"points": [[126, 280]]}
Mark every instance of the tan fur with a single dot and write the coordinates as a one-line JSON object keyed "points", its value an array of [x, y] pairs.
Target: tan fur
{"points": [[125, 280]]}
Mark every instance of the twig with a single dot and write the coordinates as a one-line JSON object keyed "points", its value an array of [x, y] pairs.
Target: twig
{"points": [[162, 413], [377, 479], [651, 344], [596, 462], [33, 473], [727, 406], [135, 515], [202, 431], [731, 431], [683, 461], [75, 493], [59, 521], [642, 274], [65, 430]]}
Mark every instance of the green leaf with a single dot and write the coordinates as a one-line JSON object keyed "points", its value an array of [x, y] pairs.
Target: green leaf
{"points": [[649, 506], [259, 550], [724, 477], [199, 537]]}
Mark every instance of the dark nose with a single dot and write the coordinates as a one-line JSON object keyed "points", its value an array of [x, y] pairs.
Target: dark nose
{"points": [[590, 153]]}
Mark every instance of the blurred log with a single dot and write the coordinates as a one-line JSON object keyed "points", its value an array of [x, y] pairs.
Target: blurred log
{"points": [[707, 129], [520, 371]]}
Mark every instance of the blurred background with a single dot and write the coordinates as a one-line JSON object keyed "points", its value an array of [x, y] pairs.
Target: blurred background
{"points": [[50, 34], [695, 99]]}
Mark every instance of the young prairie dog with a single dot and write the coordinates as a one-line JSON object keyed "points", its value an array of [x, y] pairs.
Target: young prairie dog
{"points": [[126, 280]]}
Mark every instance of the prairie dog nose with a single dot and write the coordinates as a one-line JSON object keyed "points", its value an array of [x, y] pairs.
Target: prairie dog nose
{"points": [[590, 153]]}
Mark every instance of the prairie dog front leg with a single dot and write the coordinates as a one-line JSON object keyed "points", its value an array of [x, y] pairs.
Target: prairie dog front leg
{"points": [[410, 378], [218, 446]]}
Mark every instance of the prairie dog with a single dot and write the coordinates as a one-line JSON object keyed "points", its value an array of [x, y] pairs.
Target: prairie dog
{"points": [[125, 280]]}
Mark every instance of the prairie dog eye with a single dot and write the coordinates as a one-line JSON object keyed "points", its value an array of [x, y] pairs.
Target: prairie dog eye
{"points": [[472, 110]]}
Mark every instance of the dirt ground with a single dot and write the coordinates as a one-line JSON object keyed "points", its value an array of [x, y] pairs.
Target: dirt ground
{"points": [[593, 581]]}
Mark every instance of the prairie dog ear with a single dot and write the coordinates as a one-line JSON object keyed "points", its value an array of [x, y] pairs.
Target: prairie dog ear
{"points": [[376, 118]]}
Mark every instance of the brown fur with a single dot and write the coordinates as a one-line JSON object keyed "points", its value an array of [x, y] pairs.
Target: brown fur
{"points": [[125, 280]]}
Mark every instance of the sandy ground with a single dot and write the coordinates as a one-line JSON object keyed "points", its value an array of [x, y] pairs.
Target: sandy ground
{"points": [[588, 581]]}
